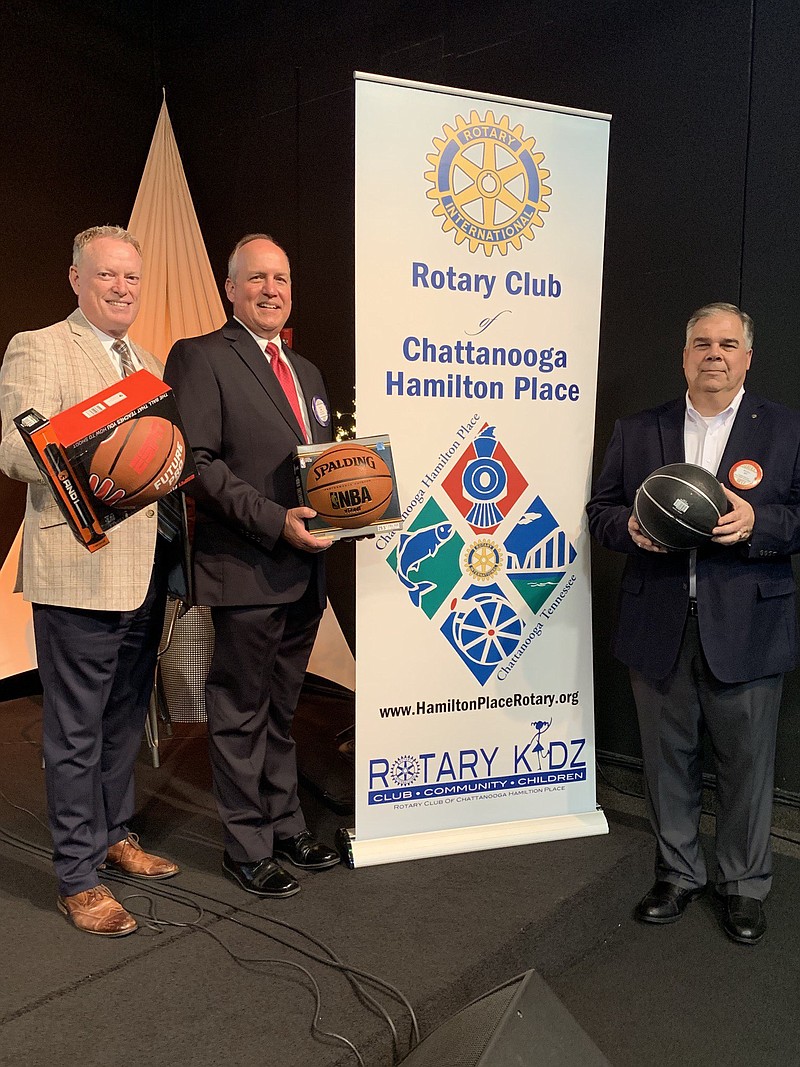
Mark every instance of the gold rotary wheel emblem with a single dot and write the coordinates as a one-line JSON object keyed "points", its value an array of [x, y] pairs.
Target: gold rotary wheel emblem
{"points": [[488, 183], [483, 559]]}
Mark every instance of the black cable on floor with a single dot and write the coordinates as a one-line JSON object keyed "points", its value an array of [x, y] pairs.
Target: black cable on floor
{"points": [[151, 917], [363, 995], [351, 973], [332, 961]]}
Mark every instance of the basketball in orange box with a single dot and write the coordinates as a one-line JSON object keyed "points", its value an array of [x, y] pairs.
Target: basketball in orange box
{"points": [[349, 485], [139, 462]]}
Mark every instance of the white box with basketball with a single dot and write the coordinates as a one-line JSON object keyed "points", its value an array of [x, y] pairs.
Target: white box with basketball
{"points": [[351, 485]]}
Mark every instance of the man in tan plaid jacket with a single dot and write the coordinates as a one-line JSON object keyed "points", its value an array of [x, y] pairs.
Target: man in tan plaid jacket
{"points": [[97, 616]]}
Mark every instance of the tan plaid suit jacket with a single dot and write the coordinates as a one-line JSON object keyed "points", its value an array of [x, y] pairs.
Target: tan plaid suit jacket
{"points": [[50, 370]]}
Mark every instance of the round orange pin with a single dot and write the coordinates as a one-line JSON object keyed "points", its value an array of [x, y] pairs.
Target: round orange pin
{"points": [[746, 474]]}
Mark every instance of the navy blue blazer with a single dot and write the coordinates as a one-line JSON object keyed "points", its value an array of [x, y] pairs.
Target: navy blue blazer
{"points": [[745, 593], [243, 432]]}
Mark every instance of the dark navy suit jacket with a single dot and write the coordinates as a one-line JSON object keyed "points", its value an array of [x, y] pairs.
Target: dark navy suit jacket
{"points": [[243, 432], [745, 593]]}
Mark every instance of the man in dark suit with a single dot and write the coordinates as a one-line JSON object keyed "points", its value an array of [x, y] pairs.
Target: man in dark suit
{"points": [[708, 635], [247, 401]]}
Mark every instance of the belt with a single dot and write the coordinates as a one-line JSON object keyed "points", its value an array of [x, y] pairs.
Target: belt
{"points": [[693, 607]]}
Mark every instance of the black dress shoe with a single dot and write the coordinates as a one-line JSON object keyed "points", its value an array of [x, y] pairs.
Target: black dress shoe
{"points": [[665, 903], [306, 852], [266, 878], [744, 919]]}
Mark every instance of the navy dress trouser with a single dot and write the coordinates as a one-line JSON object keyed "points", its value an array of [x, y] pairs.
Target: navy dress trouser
{"points": [[97, 670]]}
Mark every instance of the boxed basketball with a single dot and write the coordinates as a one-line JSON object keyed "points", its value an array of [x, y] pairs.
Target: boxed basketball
{"points": [[351, 486], [110, 456]]}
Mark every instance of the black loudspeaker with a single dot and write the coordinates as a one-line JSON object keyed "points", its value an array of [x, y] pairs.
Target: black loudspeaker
{"points": [[520, 1024], [324, 733]]}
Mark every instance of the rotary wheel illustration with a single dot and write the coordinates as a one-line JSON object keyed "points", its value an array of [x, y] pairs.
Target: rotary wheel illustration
{"points": [[488, 183], [483, 560], [404, 770], [489, 630]]}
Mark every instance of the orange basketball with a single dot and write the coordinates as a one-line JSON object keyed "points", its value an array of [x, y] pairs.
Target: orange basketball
{"points": [[349, 485], [139, 462]]}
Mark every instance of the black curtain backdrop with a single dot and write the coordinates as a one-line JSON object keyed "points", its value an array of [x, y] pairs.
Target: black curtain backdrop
{"points": [[703, 184]]}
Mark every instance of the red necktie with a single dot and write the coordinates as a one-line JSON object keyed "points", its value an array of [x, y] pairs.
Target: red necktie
{"points": [[284, 376]]}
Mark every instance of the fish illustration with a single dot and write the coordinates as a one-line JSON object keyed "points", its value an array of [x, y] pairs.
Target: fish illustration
{"points": [[415, 547]]}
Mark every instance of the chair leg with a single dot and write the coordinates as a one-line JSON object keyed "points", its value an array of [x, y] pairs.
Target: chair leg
{"points": [[151, 730], [158, 702], [162, 704]]}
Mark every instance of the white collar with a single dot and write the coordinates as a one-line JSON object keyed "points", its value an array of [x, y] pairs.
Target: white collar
{"points": [[262, 342]]}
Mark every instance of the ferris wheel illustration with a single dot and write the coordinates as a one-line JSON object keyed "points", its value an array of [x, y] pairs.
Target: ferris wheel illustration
{"points": [[488, 629]]}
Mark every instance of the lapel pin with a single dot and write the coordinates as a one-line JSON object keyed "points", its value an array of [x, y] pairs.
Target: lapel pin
{"points": [[745, 474]]}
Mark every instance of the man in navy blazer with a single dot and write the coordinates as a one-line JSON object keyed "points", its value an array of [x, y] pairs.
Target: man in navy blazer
{"points": [[247, 401], [708, 635]]}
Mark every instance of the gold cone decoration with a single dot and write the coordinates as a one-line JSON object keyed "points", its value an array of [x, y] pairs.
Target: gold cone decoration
{"points": [[179, 295], [17, 650], [180, 299]]}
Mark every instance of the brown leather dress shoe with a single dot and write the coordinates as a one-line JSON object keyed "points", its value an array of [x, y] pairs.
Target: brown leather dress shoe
{"points": [[97, 911], [130, 857]]}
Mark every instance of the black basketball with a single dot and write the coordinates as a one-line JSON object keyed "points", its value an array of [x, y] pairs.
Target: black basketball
{"points": [[679, 505]]}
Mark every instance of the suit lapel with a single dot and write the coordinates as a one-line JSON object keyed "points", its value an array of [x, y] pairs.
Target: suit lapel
{"points": [[670, 424], [745, 429], [89, 343], [248, 350]]}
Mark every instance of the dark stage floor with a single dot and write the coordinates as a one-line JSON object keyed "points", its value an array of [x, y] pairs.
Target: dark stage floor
{"points": [[442, 930]]}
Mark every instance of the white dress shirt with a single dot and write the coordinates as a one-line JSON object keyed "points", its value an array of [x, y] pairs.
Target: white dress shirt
{"points": [[704, 441], [107, 341]]}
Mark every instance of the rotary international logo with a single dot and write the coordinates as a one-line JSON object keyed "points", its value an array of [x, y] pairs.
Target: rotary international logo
{"points": [[483, 559], [488, 183], [405, 770]]}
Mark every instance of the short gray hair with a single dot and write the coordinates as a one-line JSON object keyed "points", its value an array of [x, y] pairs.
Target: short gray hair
{"points": [[85, 237], [246, 241], [725, 309]]}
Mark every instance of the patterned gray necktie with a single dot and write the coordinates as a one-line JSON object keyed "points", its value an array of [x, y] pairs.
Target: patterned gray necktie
{"points": [[125, 357]]}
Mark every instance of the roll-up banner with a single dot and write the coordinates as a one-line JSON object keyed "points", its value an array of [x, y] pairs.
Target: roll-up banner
{"points": [[479, 252]]}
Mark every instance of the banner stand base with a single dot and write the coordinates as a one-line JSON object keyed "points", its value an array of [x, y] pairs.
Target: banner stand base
{"points": [[369, 853]]}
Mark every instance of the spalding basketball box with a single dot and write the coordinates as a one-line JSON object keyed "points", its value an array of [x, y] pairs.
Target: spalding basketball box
{"points": [[351, 486], [110, 456]]}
